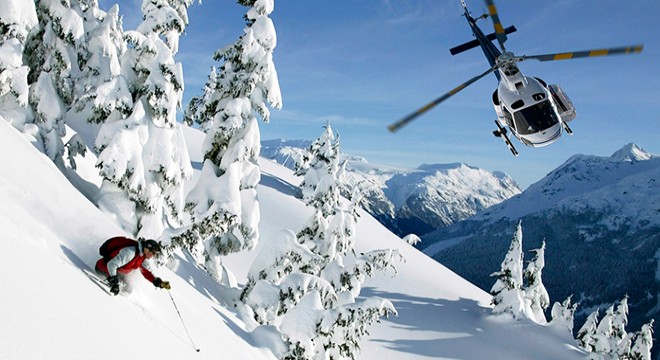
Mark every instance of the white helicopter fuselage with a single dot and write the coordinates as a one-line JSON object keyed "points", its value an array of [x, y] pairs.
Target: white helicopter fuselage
{"points": [[534, 112]]}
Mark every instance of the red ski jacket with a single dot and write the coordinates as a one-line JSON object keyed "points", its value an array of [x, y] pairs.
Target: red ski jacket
{"points": [[125, 255]]}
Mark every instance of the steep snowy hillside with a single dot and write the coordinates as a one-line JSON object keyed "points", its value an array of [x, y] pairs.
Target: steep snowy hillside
{"points": [[51, 310], [600, 218], [412, 200]]}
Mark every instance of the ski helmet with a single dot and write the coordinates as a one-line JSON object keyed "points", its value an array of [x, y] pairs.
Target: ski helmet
{"points": [[152, 245]]}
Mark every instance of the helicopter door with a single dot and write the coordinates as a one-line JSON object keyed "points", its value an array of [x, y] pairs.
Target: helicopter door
{"points": [[564, 104]]}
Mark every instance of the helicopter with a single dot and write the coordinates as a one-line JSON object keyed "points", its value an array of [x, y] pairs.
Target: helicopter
{"points": [[536, 113]]}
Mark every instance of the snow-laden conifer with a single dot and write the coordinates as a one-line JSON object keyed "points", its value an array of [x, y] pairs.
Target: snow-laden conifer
{"points": [[412, 239], [318, 321], [609, 338], [563, 314], [620, 320], [603, 343], [507, 291], [621, 340], [167, 18], [52, 55], [18, 18], [641, 349], [586, 334], [142, 157], [104, 93], [321, 189], [536, 295], [224, 205]]}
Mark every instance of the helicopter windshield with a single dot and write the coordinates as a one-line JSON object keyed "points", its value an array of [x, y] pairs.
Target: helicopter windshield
{"points": [[535, 118]]}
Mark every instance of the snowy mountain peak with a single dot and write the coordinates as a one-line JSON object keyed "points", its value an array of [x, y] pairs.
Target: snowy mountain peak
{"points": [[441, 167], [588, 177], [631, 152]]}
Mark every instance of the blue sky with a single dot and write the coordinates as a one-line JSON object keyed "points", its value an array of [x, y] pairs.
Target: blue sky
{"points": [[363, 64]]}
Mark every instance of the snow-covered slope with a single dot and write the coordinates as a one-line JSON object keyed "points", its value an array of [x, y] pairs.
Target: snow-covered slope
{"points": [[412, 200], [49, 309], [600, 218]]}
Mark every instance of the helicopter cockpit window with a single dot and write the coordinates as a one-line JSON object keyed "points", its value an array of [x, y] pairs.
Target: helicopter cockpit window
{"points": [[535, 118], [517, 104]]}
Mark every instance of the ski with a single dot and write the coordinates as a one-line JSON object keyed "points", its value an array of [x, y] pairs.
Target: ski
{"points": [[102, 284]]}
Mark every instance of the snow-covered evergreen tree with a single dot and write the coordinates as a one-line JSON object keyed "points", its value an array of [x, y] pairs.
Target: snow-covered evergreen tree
{"points": [[341, 328], [620, 339], [143, 157], [412, 239], [609, 340], [507, 291], [318, 312], [103, 91], [641, 349], [52, 55], [602, 340], [321, 189], [18, 19], [315, 319], [224, 205], [587, 332], [563, 314], [536, 295], [620, 320]]}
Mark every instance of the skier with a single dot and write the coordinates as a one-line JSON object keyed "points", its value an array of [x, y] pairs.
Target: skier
{"points": [[122, 255]]}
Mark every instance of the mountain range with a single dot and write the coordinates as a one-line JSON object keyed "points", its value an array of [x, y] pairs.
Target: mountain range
{"points": [[600, 220], [412, 200]]}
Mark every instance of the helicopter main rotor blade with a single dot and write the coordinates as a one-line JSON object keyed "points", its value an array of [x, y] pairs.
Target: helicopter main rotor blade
{"points": [[587, 53], [412, 116], [500, 33]]}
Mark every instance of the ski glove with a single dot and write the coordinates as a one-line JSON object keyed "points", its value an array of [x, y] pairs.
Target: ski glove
{"points": [[114, 285], [159, 283]]}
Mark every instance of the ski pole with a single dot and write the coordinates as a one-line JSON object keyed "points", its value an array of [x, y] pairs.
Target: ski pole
{"points": [[183, 322]]}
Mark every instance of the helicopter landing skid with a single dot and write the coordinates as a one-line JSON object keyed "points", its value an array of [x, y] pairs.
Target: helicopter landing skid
{"points": [[566, 128], [501, 133]]}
